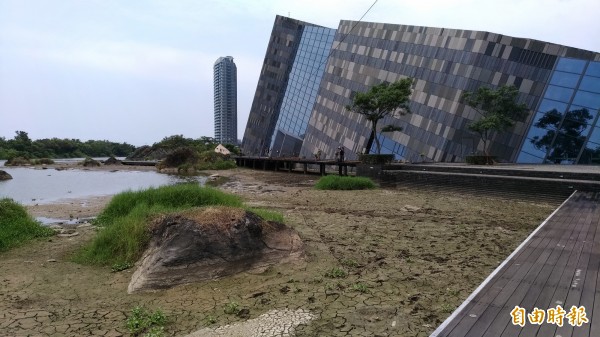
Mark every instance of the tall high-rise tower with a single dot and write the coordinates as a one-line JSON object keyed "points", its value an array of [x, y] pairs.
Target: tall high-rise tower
{"points": [[225, 82]]}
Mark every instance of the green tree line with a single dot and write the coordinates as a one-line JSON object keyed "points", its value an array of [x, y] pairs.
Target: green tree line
{"points": [[22, 146]]}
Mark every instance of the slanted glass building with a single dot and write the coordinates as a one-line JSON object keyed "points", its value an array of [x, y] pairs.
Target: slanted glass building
{"points": [[559, 84], [287, 88]]}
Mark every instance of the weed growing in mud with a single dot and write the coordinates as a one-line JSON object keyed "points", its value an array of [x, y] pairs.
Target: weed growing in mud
{"points": [[447, 308], [333, 182], [117, 267], [453, 292], [336, 273], [360, 287], [334, 286], [232, 308], [349, 263], [210, 319], [18, 227], [142, 322]]}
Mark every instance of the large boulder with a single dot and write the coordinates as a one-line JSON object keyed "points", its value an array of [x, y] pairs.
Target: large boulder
{"points": [[209, 243], [4, 175]]}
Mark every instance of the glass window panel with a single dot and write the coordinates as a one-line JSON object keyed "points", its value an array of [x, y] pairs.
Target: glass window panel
{"points": [[531, 150], [559, 93], [595, 137], [587, 99], [548, 105], [590, 84], [564, 79], [570, 65], [593, 69], [591, 154], [526, 158]]}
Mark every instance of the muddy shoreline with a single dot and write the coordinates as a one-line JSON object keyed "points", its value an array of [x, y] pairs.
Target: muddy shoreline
{"points": [[409, 258]]}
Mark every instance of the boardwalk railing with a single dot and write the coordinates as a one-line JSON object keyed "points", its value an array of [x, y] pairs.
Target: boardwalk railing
{"points": [[295, 164]]}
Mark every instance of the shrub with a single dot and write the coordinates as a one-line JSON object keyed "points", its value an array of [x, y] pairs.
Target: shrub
{"points": [[180, 156], [17, 161], [18, 227], [125, 220], [333, 182], [217, 165]]}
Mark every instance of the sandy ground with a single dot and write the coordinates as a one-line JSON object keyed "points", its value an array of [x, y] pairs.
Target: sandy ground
{"points": [[410, 258]]}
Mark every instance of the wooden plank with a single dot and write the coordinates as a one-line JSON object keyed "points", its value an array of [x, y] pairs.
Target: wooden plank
{"points": [[589, 286], [562, 288], [502, 325], [465, 317], [558, 263]]}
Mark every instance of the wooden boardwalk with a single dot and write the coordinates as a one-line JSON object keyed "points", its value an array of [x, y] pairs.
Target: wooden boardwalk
{"points": [[557, 265]]}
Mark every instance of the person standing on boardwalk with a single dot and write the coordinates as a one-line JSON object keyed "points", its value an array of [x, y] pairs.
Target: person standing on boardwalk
{"points": [[339, 155]]}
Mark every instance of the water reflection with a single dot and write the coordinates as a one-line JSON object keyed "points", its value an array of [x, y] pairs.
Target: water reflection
{"points": [[40, 186], [562, 135]]}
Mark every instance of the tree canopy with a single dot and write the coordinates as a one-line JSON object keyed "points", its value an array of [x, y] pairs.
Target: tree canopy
{"points": [[380, 101], [499, 110], [22, 146]]}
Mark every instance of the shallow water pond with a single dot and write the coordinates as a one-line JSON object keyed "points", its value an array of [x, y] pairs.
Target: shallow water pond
{"points": [[31, 186]]}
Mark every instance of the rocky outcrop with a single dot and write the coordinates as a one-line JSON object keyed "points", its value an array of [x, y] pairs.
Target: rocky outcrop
{"points": [[4, 175], [90, 162], [209, 243], [112, 161], [149, 153]]}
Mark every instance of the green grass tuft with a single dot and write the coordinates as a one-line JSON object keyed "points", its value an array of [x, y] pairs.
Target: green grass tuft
{"points": [[142, 322], [18, 227], [267, 215], [333, 182], [124, 230]]}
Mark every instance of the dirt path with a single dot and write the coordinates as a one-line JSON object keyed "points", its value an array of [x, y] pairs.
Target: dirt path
{"points": [[404, 259]]}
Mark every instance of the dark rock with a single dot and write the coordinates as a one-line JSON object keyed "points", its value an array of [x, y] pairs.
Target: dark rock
{"points": [[112, 161], [209, 243], [244, 313], [90, 162], [4, 175]]}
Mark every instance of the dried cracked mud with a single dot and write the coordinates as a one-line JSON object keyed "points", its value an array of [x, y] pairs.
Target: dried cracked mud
{"points": [[384, 262]]}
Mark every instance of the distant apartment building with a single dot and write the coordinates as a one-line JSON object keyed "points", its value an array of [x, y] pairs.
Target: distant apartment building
{"points": [[559, 84], [225, 98]]}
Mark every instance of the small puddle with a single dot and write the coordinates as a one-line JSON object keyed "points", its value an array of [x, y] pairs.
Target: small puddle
{"points": [[54, 221]]}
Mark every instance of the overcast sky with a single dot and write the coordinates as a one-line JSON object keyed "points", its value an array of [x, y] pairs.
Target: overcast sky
{"points": [[136, 71]]}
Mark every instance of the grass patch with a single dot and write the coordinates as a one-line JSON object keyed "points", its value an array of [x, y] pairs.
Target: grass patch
{"points": [[142, 322], [267, 215], [124, 231], [333, 182], [232, 308], [360, 287], [336, 273], [18, 227]]}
